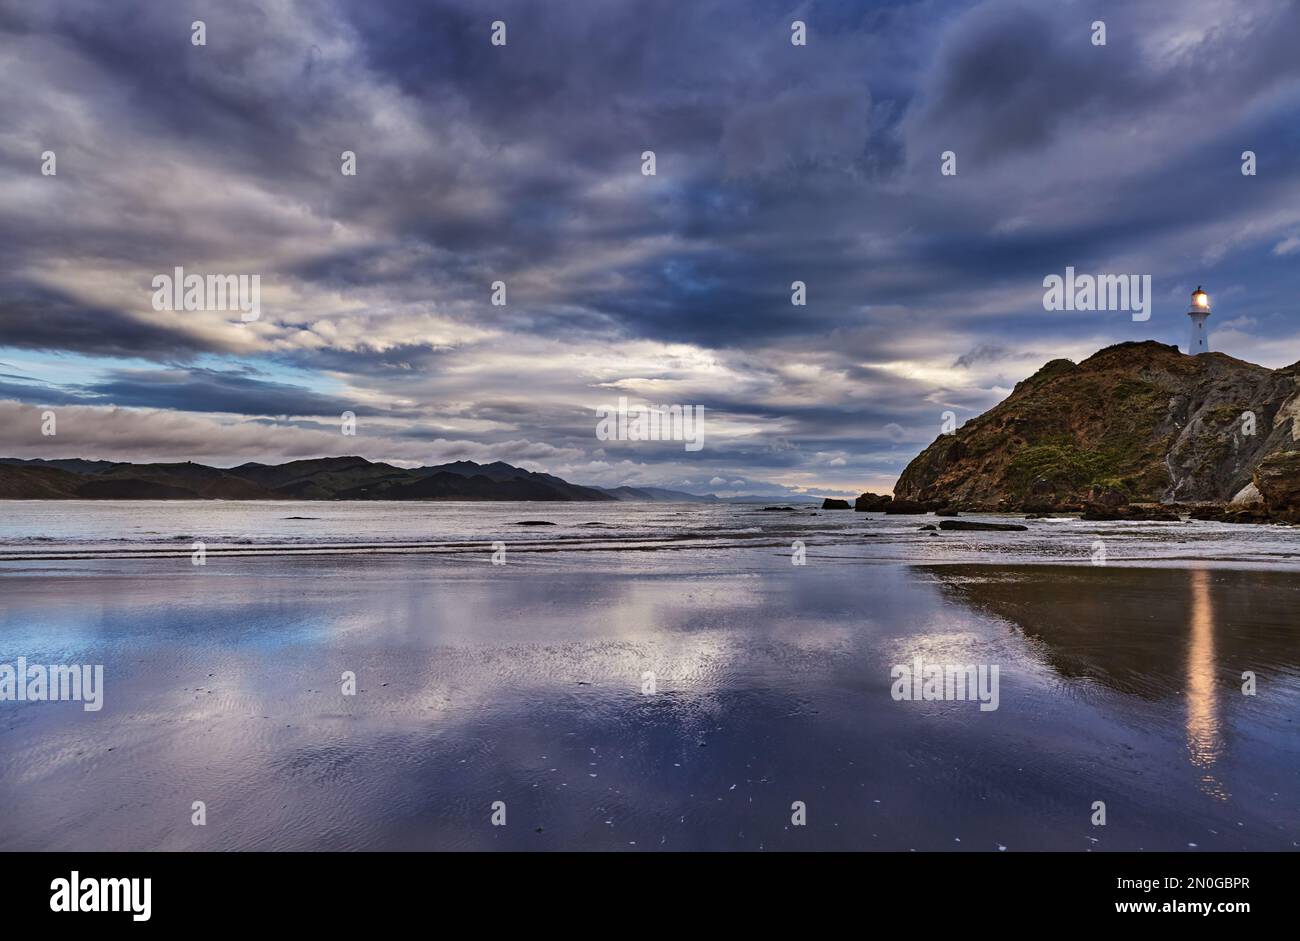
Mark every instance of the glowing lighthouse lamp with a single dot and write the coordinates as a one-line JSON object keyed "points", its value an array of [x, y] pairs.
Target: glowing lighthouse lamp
{"points": [[1199, 342]]}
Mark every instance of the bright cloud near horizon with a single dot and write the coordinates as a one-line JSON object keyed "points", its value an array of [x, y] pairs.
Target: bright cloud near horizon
{"points": [[522, 163]]}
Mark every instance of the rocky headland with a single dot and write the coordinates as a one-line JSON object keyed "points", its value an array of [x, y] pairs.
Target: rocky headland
{"points": [[1135, 431]]}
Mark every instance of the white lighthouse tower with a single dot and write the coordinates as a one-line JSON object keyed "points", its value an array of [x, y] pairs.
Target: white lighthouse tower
{"points": [[1199, 341]]}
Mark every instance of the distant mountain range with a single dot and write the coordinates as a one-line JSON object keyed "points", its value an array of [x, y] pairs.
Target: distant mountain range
{"points": [[331, 478]]}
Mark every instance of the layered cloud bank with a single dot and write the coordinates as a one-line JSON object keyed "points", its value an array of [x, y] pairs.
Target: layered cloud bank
{"points": [[522, 164]]}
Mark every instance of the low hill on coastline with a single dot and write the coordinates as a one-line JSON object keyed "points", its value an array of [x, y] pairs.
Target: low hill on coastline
{"points": [[333, 478], [1133, 423], [327, 478]]}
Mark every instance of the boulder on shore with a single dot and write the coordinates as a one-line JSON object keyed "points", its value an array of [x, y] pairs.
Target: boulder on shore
{"points": [[1110, 497], [1247, 512], [1247, 498], [830, 504], [1148, 514], [1034, 506], [969, 525], [872, 502], [906, 506]]}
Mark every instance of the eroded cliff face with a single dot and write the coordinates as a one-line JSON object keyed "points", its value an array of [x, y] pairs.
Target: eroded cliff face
{"points": [[1277, 479], [1140, 421]]}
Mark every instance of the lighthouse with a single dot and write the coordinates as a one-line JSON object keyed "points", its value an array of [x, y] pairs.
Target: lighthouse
{"points": [[1199, 341]]}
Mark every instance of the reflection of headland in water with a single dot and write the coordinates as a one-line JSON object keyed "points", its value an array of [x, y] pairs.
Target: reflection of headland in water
{"points": [[1155, 633], [1140, 630]]}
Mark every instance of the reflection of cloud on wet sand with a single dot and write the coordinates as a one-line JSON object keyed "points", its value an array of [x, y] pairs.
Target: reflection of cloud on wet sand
{"points": [[524, 685], [461, 680]]}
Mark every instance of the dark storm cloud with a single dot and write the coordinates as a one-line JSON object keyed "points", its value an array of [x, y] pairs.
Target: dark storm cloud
{"points": [[34, 317], [185, 390], [985, 352], [1011, 79], [207, 390], [38, 394]]}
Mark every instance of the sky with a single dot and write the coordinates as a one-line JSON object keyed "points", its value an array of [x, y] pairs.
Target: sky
{"points": [[522, 163]]}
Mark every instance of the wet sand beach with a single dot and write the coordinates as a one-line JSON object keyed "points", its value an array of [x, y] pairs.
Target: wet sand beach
{"points": [[523, 683]]}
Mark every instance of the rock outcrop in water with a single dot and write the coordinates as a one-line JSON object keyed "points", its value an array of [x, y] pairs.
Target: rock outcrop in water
{"points": [[975, 526], [872, 502], [1133, 423]]}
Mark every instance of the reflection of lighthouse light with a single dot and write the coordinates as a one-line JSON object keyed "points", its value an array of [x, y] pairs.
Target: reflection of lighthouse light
{"points": [[1204, 728]]}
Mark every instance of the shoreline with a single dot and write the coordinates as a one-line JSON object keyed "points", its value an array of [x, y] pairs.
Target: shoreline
{"points": [[479, 550]]}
